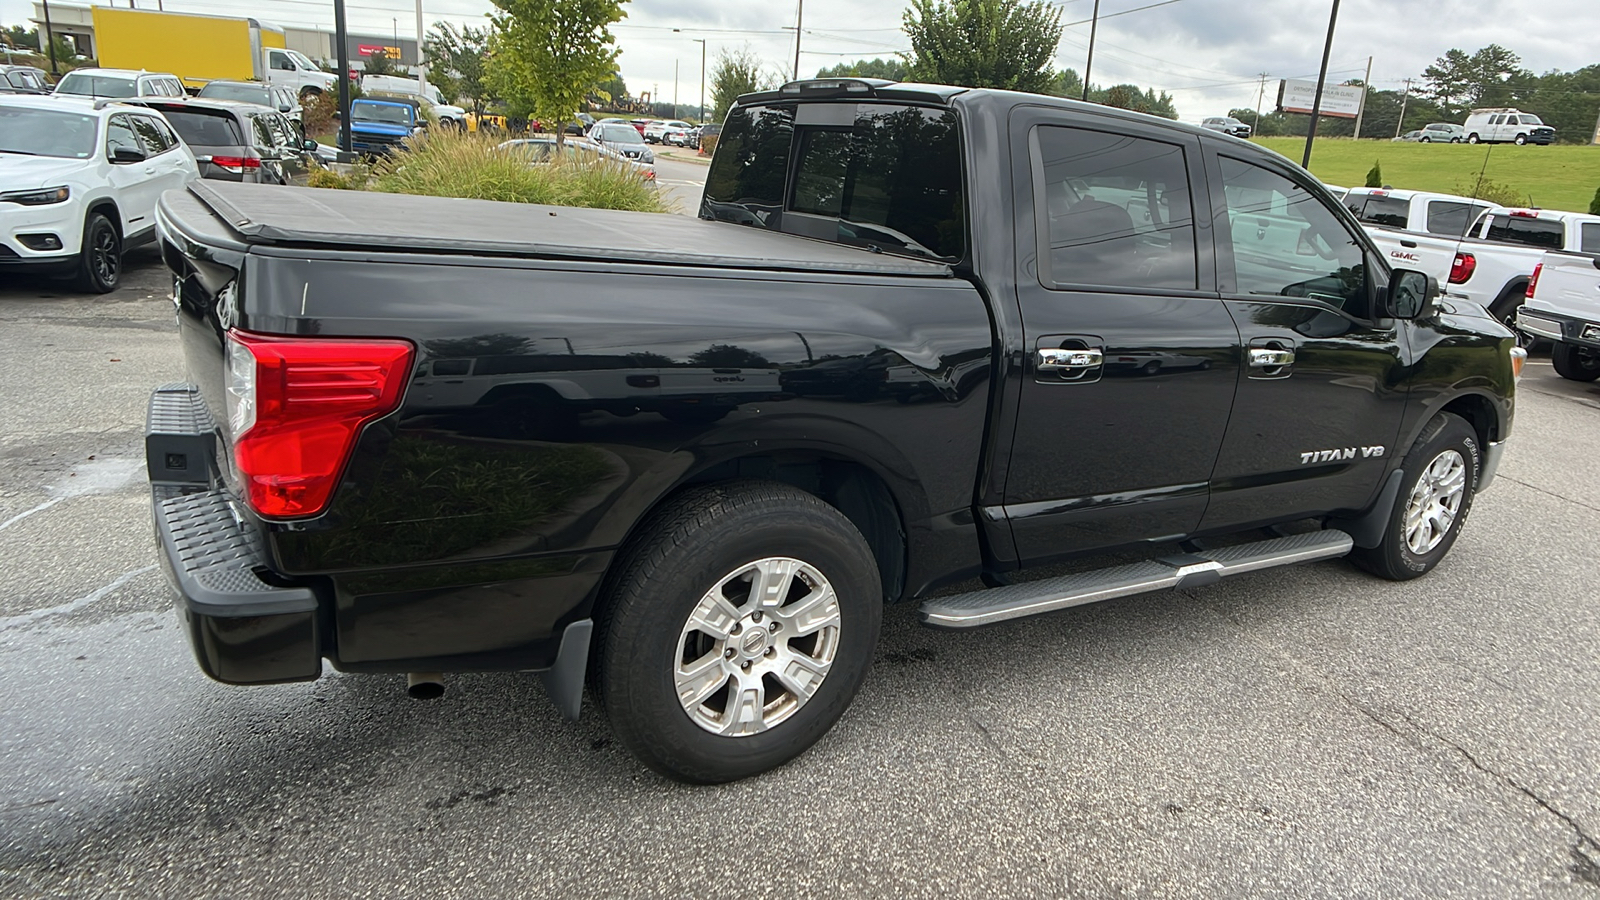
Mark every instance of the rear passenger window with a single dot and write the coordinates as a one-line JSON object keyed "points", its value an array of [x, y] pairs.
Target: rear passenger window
{"points": [[1450, 218], [1119, 211], [119, 135], [1590, 237], [1379, 209], [1287, 244], [146, 128]]}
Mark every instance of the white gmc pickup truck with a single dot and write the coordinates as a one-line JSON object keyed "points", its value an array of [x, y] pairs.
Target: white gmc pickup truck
{"points": [[1563, 305], [1477, 251]]}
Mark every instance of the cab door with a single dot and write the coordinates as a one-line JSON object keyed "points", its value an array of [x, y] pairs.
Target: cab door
{"points": [[1320, 403], [1132, 357]]}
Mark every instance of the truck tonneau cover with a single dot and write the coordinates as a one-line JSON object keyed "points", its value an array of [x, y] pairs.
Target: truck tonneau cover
{"points": [[304, 217]]}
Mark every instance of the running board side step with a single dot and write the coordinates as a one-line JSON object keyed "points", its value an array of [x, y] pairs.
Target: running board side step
{"points": [[1184, 570]]}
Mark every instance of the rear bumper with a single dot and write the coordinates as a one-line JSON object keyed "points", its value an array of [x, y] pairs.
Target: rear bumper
{"points": [[1559, 327], [243, 630]]}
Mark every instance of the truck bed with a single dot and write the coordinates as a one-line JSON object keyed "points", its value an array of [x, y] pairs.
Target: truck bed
{"points": [[330, 219]]}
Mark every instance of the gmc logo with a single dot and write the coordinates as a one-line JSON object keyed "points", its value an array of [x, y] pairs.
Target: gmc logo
{"points": [[1399, 254]]}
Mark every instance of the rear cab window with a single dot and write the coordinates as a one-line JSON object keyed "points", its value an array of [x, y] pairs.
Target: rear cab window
{"points": [[883, 176], [1526, 230], [1379, 209], [1590, 237], [1451, 217]]}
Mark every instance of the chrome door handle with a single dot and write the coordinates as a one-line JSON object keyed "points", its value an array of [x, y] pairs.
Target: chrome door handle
{"points": [[1052, 359], [1265, 358]]}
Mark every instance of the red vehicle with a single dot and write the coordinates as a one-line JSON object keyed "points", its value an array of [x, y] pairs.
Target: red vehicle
{"points": [[639, 124]]}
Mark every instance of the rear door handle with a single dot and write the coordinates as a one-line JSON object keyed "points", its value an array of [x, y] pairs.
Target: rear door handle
{"points": [[1270, 358], [1410, 244], [1055, 359]]}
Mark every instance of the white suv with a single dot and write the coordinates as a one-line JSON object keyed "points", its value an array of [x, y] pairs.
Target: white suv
{"points": [[118, 83], [79, 180]]}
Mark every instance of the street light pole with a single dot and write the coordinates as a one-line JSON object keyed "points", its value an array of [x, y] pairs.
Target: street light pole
{"points": [[799, 18], [422, 65], [50, 39], [1316, 105], [341, 36]]}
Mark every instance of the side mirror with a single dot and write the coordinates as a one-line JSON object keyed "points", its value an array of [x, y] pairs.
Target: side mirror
{"points": [[308, 145], [1411, 294], [126, 155], [284, 107]]}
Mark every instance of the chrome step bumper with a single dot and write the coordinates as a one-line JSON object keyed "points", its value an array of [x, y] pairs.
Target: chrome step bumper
{"points": [[1184, 570]]}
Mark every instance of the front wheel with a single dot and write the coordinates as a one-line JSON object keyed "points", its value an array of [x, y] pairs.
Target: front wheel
{"points": [[739, 630], [1441, 473], [1575, 363], [99, 257]]}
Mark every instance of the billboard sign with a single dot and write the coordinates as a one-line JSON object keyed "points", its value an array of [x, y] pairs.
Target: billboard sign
{"points": [[1341, 101], [368, 49]]}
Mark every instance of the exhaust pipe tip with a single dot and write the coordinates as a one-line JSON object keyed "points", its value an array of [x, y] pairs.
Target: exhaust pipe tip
{"points": [[425, 685]]}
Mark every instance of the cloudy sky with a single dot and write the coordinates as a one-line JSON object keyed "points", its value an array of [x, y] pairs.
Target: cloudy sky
{"points": [[1209, 54]]}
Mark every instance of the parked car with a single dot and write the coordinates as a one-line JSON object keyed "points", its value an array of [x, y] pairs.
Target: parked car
{"points": [[1227, 125], [624, 139], [237, 141], [1563, 306], [273, 96], [656, 132], [1502, 124], [377, 127], [681, 135], [450, 117], [23, 80], [1408, 137], [120, 83], [719, 579], [79, 182], [639, 125], [399, 84], [1442, 132], [540, 148]]}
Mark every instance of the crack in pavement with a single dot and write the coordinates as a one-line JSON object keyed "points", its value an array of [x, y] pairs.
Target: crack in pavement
{"points": [[1549, 493], [1585, 853]]}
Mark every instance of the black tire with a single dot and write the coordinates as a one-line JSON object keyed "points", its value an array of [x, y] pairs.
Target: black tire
{"points": [[1520, 140], [1504, 308], [1151, 368], [1394, 558], [1472, 138], [1427, 140], [1575, 363], [99, 257], [688, 548]]}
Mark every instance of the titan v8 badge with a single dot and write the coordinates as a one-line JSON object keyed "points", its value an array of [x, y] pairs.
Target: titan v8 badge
{"points": [[1317, 456]]}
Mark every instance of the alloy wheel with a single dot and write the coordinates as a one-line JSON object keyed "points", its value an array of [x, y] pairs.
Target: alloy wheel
{"points": [[1435, 502]]}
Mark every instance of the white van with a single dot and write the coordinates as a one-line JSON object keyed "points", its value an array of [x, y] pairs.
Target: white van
{"points": [[398, 84], [1493, 126]]}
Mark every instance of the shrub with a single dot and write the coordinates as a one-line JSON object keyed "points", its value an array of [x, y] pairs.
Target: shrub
{"points": [[452, 164], [708, 144], [320, 112], [1375, 175], [1594, 205], [1493, 191], [354, 180]]}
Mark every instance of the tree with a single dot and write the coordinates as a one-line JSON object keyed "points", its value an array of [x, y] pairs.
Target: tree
{"points": [[888, 69], [1004, 44], [1068, 83], [456, 63], [545, 56], [1493, 76], [737, 72], [1594, 205], [1375, 175], [378, 64]]}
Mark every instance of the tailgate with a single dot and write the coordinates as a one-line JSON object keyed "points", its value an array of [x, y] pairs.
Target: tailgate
{"points": [[1569, 284]]}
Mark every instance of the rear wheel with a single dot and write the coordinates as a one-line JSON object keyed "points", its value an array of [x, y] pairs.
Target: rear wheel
{"points": [[1441, 473], [1575, 363], [1472, 138], [1427, 140], [99, 257], [741, 626]]}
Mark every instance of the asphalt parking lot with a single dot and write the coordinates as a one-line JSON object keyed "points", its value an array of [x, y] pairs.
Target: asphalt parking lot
{"points": [[1308, 732]]}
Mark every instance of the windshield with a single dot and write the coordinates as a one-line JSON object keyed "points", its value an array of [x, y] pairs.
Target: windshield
{"points": [[300, 58], [621, 134], [249, 93], [385, 114], [1529, 119], [96, 85], [205, 129], [47, 132]]}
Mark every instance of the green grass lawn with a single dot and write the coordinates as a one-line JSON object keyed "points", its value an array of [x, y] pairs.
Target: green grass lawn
{"points": [[1562, 176]]}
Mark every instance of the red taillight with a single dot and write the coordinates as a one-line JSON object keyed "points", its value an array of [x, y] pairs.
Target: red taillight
{"points": [[1463, 267], [236, 164], [1533, 283], [297, 405], [1525, 213]]}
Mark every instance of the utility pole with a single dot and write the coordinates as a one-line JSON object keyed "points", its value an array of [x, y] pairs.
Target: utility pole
{"points": [[422, 65], [341, 36], [702, 79], [674, 89], [1404, 98], [50, 38], [1316, 104], [1088, 65], [1260, 95], [1366, 88], [799, 14]]}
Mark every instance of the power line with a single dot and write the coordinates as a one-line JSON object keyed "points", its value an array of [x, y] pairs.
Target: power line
{"points": [[1122, 13]]}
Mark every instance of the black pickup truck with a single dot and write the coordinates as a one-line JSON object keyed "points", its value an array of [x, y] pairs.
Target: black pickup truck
{"points": [[918, 336]]}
